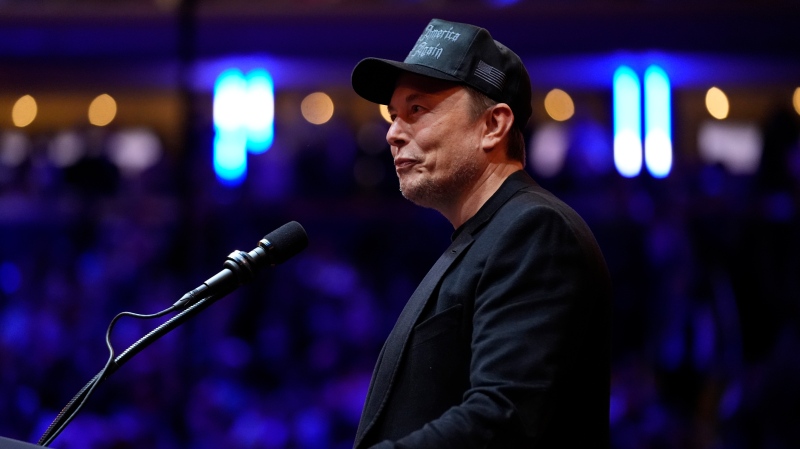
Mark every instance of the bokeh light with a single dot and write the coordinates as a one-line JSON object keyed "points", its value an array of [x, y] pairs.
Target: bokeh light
{"points": [[66, 148], [102, 110], [385, 113], [244, 116], [559, 105], [230, 100], [627, 122], [657, 122], [259, 111], [24, 111], [736, 146], [230, 157], [548, 149], [230, 141], [317, 108], [134, 150], [796, 100], [717, 103], [14, 148]]}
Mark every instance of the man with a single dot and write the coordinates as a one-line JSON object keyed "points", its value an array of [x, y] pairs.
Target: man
{"points": [[505, 343]]}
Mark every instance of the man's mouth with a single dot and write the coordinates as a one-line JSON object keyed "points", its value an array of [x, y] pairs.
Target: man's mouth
{"points": [[401, 164]]}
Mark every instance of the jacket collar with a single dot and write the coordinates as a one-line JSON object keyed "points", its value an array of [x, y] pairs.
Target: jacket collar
{"points": [[510, 186]]}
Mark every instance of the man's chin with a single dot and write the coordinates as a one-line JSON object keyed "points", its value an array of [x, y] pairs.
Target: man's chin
{"points": [[409, 191], [421, 194]]}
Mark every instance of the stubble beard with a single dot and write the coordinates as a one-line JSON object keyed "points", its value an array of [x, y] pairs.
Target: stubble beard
{"points": [[445, 192]]}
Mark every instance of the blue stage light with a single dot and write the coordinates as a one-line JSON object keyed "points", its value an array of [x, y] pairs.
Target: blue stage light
{"points": [[244, 115], [260, 109], [627, 122], [657, 122], [230, 100], [230, 157]]}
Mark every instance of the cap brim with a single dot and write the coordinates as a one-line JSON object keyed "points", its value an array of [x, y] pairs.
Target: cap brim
{"points": [[374, 79]]}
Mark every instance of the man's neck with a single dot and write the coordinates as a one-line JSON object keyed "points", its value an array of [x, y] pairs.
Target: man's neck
{"points": [[480, 192]]}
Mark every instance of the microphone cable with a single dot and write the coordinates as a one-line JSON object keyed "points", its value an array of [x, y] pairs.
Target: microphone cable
{"points": [[239, 268], [76, 403]]}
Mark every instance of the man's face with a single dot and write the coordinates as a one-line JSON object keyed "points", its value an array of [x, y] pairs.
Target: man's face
{"points": [[435, 143]]}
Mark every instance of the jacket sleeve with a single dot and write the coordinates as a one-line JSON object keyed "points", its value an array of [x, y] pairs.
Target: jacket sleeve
{"points": [[529, 306]]}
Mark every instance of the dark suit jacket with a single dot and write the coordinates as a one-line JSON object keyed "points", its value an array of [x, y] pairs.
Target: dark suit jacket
{"points": [[505, 343]]}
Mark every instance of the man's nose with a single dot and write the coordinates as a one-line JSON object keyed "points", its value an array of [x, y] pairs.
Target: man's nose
{"points": [[396, 135]]}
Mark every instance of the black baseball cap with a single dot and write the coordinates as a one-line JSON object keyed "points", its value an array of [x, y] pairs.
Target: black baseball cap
{"points": [[456, 52]]}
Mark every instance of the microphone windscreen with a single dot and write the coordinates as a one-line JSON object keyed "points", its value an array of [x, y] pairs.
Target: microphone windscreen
{"points": [[286, 242]]}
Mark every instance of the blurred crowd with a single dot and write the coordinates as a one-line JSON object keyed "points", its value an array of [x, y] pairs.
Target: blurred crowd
{"points": [[705, 264]]}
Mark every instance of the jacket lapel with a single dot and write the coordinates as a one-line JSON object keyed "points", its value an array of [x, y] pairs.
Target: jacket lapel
{"points": [[393, 349]]}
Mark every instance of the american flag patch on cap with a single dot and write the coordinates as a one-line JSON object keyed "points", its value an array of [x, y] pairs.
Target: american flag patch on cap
{"points": [[490, 74]]}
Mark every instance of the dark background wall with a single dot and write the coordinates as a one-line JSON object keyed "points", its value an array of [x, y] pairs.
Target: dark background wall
{"points": [[705, 262]]}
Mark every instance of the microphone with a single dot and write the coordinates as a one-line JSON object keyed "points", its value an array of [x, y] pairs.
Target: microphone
{"points": [[240, 267]]}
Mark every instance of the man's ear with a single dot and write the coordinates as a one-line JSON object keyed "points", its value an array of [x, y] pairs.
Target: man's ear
{"points": [[499, 119]]}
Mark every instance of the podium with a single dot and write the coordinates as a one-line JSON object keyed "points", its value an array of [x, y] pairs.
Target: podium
{"points": [[7, 443]]}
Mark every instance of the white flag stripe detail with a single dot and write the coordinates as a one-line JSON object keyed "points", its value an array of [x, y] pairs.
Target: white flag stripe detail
{"points": [[490, 74]]}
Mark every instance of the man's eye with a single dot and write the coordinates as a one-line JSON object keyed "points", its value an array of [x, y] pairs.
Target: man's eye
{"points": [[416, 108]]}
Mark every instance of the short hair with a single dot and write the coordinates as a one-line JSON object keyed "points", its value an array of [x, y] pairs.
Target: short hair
{"points": [[516, 140]]}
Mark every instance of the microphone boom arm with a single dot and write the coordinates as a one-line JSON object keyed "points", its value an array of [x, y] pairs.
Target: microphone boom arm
{"points": [[68, 412], [239, 268]]}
